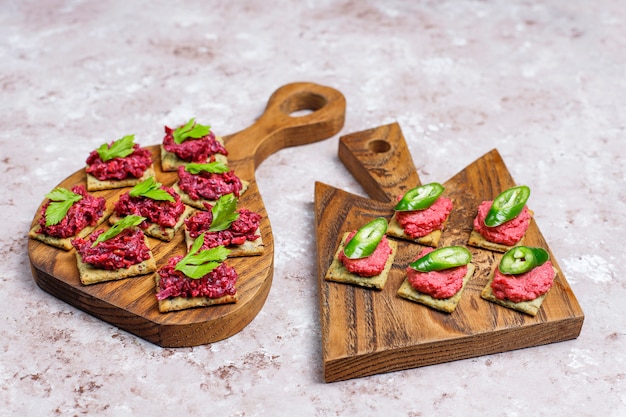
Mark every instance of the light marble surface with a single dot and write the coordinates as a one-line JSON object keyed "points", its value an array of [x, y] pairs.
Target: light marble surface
{"points": [[541, 81]]}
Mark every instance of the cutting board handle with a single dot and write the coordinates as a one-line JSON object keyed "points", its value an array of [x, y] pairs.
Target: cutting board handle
{"points": [[296, 114], [380, 160]]}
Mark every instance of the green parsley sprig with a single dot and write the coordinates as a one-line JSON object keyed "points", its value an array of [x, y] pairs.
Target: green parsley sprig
{"points": [[224, 213], [216, 167], [118, 149], [61, 201], [197, 264], [191, 129], [151, 189], [125, 223]]}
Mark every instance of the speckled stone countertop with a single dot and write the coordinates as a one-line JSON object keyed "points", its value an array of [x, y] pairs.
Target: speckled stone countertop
{"points": [[543, 82]]}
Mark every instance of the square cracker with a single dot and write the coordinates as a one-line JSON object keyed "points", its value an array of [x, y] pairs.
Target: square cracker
{"points": [[478, 241], [432, 239], [530, 307], [90, 275], [447, 305], [170, 161], [337, 272], [94, 184], [199, 204], [66, 243], [248, 248], [154, 230], [183, 303]]}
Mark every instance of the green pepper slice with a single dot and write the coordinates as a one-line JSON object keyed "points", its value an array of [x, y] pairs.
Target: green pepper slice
{"points": [[521, 259], [508, 205], [442, 258], [420, 198], [366, 239]]}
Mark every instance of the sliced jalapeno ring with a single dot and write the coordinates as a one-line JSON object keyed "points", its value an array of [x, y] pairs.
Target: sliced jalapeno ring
{"points": [[508, 205], [366, 239], [420, 198], [442, 258], [521, 259]]}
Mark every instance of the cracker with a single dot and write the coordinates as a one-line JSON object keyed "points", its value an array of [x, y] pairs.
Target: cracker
{"points": [[154, 230], [66, 243], [530, 307], [94, 184], [478, 241], [447, 305], [432, 239], [90, 275], [199, 204], [183, 303], [248, 248], [170, 161], [337, 272]]}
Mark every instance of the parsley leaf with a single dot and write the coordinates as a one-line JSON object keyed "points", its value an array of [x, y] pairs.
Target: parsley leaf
{"points": [[119, 227], [224, 213], [118, 149], [152, 190], [61, 201], [197, 264], [215, 167], [190, 130]]}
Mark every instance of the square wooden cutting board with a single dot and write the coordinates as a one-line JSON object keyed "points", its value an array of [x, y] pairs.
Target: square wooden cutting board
{"points": [[366, 332]]}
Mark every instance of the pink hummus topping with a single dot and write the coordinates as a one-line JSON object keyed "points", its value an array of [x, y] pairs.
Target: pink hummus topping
{"points": [[371, 265], [523, 287], [437, 284], [198, 150], [164, 213], [217, 283], [124, 250], [85, 212], [508, 233], [133, 165], [208, 185], [418, 223], [241, 230]]}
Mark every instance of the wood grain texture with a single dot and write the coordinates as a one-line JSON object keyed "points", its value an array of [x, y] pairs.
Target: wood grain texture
{"points": [[368, 332], [377, 159], [130, 304]]}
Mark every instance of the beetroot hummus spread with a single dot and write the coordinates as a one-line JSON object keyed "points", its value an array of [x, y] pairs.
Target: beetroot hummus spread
{"points": [[194, 150], [437, 284], [217, 283], [508, 233], [133, 165], [370, 265], [85, 212], [124, 250], [240, 230], [523, 287], [209, 186], [161, 212], [419, 223]]}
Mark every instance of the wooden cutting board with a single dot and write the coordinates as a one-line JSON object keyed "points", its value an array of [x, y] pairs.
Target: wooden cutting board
{"points": [[366, 332], [130, 304]]}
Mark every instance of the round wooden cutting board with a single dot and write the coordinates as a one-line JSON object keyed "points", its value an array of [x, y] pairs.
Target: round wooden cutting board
{"points": [[130, 304]]}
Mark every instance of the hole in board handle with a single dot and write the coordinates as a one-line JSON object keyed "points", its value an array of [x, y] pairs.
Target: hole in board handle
{"points": [[301, 113], [303, 104], [378, 146]]}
